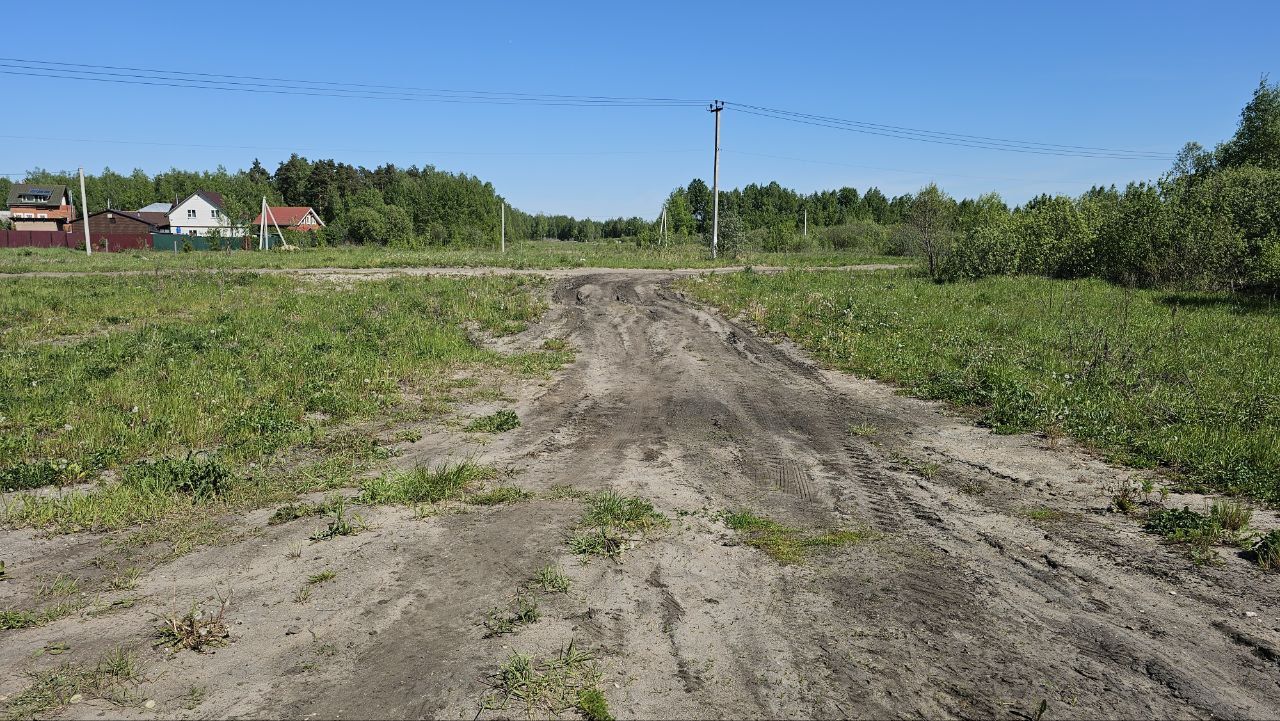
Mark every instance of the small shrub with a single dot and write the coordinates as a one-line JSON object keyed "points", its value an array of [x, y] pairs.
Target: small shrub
{"points": [[196, 629], [201, 478], [499, 422]]}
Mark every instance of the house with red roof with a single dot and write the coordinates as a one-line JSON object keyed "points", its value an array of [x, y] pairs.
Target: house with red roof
{"points": [[292, 217]]}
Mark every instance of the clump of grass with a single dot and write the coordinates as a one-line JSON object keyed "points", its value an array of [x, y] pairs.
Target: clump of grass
{"points": [[110, 677], [1199, 532], [322, 577], [1044, 514], [499, 495], [62, 586], [783, 543], [555, 344], [294, 511], [125, 580], [551, 686], [559, 491], [424, 484], [612, 523], [499, 422], [1232, 516], [1266, 551], [202, 478], [340, 523], [862, 430], [503, 621], [552, 579], [302, 595], [593, 705], [196, 629]]}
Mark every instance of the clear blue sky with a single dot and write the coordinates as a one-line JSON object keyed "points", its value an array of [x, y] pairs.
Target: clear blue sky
{"points": [[1144, 76]]}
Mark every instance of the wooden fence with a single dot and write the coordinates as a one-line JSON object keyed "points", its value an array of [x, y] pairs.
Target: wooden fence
{"points": [[109, 242]]}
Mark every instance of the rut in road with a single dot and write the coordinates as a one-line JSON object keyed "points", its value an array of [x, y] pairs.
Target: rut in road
{"points": [[963, 607]]}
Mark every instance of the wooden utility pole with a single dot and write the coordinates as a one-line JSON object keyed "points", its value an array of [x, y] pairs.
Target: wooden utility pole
{"points": [[503, 240], [84, 215], [806, 222], [715, 109], [662, 236]]}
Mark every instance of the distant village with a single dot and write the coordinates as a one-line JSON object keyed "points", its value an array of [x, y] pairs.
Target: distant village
{"points": [[48, 209]]}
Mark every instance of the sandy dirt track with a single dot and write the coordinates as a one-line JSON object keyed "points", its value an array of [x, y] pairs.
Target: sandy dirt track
{"points": [[961, 606]]}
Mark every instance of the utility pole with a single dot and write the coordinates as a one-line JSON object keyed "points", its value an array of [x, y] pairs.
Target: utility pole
{"points": [[662, 235], [806, 222], [503, 241], [715, 109], [84, 211]]}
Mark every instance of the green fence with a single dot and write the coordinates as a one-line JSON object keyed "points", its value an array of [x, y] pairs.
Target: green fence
{"points": [[175, 243]]}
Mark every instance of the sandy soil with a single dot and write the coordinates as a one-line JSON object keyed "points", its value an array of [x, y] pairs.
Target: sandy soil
{"points": [[962, 606]]}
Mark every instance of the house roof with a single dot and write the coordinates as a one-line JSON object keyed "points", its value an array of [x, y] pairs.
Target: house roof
{"points": [[155, 218], [212, 198], [290, 214], [56, 194], [141, 218], [156, 208]]}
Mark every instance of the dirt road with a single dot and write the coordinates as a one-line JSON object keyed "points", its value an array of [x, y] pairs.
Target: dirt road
{"points": [[966, 603]]}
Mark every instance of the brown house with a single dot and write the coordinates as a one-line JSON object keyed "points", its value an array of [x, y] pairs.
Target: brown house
{"points": [[36, 206], [114, 222]]}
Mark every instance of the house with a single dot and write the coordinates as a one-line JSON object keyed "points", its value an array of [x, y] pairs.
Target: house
{"points": [[291, 217], [157, 214], [201, 213], [114, 222], [36, 206]]}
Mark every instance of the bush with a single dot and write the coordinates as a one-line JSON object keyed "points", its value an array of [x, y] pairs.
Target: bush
{"points": [[366, 225], [867, 236], [203, 479]]}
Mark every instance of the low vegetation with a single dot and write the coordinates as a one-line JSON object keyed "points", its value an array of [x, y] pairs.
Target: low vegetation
{"points": [[499, 422], [1225, 523], [549, 687], [171, 397], [424, 484], [523, 611], [552, 579], [614, 523], [783, 543], [195, 630], [114, 677], [1185, 382]]}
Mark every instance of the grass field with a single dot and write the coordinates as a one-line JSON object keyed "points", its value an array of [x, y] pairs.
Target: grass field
{"points": [[133, 375], [526, 254], [1189, 383]]}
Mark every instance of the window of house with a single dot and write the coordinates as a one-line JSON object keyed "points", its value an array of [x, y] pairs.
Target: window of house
{"points": [[42, 215], [191, 213], [213, 213]]}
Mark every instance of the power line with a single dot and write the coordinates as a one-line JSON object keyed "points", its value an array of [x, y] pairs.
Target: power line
{"points": [[952, 139], [193, 80], [174, 79], [368, 151], [356, 85]]}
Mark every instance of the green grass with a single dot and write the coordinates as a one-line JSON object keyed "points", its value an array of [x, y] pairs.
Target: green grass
{"points": [[548, 687], [498, 496], [133, 374], [499, 422], [114, 676], [612, 523], [1188, 383], [322, 577], [783, 543], [424, 484], [523, 254], [551, 579], [523, 612]]}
